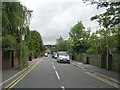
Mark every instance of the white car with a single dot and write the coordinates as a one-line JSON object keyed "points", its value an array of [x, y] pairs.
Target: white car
{"points": [[46, 54], [53, 55], [56, 56], [62, 56]]}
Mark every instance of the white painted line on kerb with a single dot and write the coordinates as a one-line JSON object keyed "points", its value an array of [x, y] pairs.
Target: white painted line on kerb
{"points": [[63, 88], [57, 74]]}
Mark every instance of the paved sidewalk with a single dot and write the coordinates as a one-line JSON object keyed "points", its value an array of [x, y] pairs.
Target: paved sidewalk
{"points": [[113, 75], [8, 73]]}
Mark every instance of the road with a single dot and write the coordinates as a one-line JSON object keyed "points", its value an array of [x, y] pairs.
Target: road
{"points": [[50, 74]]}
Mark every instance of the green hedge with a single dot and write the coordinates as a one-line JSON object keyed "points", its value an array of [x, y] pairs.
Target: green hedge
{"points": [[25, 55]]}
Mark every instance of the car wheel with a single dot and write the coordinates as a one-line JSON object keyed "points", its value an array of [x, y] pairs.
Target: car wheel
{"points": [[69, 62]]}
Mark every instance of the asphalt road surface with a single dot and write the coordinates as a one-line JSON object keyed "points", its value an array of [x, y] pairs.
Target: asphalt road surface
{"points": [[48, 73]]}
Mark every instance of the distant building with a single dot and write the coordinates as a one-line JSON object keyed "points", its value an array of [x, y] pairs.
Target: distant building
{"points": [[47, 50]]}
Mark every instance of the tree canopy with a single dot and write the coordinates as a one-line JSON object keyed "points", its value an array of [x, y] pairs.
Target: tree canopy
{"points": [[111, 17], [36, 44], [79, 37], [61, 44], [14, 20]]}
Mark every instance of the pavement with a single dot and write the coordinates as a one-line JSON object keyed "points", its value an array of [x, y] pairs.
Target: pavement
{"points": [[10, 73], [104, 73]]}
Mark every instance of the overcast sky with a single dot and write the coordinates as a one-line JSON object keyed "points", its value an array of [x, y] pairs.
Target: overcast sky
{"points": [[54, 18]]}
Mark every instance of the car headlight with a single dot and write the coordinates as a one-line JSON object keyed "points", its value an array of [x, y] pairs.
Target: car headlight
{"points": [[68, 58]]}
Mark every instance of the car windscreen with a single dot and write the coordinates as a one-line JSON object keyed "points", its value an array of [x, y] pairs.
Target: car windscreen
{"points": [[54, 53], [62, 53]]}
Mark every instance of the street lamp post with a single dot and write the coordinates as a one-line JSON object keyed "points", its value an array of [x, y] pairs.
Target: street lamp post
{"points": [[107, 55], [22, 22]]}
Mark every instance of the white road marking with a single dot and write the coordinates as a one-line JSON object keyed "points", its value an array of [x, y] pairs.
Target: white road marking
{"points": [[53, 66], [79, 63], [63, 88], [56, 71], [57, 74]]}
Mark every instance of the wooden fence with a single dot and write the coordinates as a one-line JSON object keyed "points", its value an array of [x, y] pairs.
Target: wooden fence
{"points": [[101, 60]]}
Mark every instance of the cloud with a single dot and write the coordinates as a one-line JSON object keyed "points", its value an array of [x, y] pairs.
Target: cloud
{"points": [[54, 18]]}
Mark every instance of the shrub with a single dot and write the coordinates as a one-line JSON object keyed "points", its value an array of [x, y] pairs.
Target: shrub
{"points": [[25, 55], [8, 42]]}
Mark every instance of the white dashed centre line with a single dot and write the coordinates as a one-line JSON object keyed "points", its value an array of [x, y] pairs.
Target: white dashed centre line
{"points": [[56, 71], [63, 88], [53, 66], [57, 75]]}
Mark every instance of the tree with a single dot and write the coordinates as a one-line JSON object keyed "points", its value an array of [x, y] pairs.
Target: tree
{"points": [[103, 40], [69, 46], [14, 23], [36, 43], [8, 42], [79, 37], [61, 44], [110, 18], [94, 44], [14, 19], [109, 39]]}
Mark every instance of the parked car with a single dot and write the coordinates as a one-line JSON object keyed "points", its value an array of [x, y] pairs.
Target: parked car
{"points": [[62, 56], [46, 54], [56, 56], [53, 55]]}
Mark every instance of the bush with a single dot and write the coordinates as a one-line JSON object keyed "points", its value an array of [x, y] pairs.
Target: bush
{"points": [[8, 42], [25, 55]]}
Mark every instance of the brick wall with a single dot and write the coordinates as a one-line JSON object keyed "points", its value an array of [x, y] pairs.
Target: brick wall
{"points": [[6, 63], [7, 59]]}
